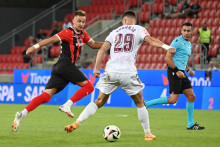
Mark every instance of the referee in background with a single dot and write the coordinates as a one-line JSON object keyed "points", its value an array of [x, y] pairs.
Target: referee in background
{"points": [[178, 81]]}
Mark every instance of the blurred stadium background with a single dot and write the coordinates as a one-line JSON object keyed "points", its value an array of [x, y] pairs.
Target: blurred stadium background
{"points": [[24, 23], [23, 78]]}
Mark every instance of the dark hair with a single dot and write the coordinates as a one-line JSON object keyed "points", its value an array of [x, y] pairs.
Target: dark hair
{"points": [[80, 13], [187, 24], [129, 13]]}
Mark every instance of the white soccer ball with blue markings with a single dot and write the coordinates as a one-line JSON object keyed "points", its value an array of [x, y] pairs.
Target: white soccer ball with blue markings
{"points": [[111, 133]]}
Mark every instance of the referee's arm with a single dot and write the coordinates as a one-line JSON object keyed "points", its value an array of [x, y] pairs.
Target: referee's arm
{"points": [[170, 62]]}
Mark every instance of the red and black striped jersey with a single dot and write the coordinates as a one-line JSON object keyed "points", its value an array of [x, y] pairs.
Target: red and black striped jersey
{"points": [[71, 44]]}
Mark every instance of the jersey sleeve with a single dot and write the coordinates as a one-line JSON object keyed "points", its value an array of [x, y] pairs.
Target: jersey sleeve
{"points": [[65, 35], [110, 38], [175, 43], [143, 33], [86, 36]]}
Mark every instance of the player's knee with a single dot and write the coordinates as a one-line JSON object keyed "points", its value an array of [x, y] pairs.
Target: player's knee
{"points": [[191, 97], [90, 88], [99, 102], [172, 101]]}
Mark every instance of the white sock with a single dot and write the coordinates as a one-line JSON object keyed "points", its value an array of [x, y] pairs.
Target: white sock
{"points": [[24, 112], [69, 103], [90, 110], [144, 118]]}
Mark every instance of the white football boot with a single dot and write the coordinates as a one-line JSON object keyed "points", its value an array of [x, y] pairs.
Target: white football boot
{"points": [[17, 121], [66, 110]]}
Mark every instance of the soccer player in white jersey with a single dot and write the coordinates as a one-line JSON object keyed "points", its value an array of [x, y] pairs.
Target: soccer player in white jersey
{"points": [[123, 43]]}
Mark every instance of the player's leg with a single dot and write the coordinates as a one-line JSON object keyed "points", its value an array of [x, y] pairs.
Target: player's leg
{"points": [[54, 85], [86, 88], [143, 115], [106, 85], [190, 108], [175, 88], [133, 86], [81, 80], [35, 102], [90, 110]]}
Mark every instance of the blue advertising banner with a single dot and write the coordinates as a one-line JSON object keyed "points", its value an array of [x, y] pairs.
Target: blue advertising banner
{"points": [[24, 93], [206, 97], [30, 83], [148, 77], [215, 78]]}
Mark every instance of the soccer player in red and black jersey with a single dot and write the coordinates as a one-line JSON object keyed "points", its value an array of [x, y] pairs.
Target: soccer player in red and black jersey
{"points": [[65, 70]]}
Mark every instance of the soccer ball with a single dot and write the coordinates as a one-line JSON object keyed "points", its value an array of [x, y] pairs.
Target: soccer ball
{"points": [[111, 133]]}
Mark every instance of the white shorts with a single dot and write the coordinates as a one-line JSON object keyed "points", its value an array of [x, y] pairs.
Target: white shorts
{"points": [[110, 82]]}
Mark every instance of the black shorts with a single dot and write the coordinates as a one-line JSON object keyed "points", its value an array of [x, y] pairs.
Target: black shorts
{"points": [[63, 73], [177, 85]]}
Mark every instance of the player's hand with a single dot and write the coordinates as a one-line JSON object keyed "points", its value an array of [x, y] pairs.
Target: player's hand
{"points": [[180, 74], [30, 51], [96, 73], [172, 50], [191, 73]]}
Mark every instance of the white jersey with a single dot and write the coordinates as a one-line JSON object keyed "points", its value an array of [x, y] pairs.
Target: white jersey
{"points": [[125, 42]]}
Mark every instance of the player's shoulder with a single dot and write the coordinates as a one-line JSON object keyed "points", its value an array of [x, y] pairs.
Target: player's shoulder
{"points": [[84, 31], [177, 39]]}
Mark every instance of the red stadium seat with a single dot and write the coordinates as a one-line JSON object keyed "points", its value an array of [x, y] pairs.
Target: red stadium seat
{"points": [[147, 66], [212, 14], [142, 58], [161, 58], [206, 14], [215, 22], [209, 5], [193, 39], [216, 39], [163, 23], [148, 58], [174, 23], [159, 66], [214, 5], [214, 50], [149, 49], [196, 49], [153, 66], [160, 8], [143, 50], [157, 23], [154, 50], [197, 59], [217, 14], [55, 51], [169, 23], [166, 32], [164, 66], [155, 58]]}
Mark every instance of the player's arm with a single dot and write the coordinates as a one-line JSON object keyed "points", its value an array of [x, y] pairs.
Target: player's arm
{"points": [[157, 43], [170, 62], [190, 72], [105, 47], [94, 44], [50, 40]]}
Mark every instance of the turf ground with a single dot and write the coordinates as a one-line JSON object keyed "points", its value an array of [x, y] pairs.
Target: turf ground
{"points": [[45, 127]]}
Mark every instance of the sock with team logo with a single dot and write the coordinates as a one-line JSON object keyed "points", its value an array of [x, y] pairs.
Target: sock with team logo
{"points": [[189, 109], [162, 100]]}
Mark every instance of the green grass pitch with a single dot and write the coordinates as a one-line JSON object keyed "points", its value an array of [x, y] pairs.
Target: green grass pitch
{"points": [[44, 127]]}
